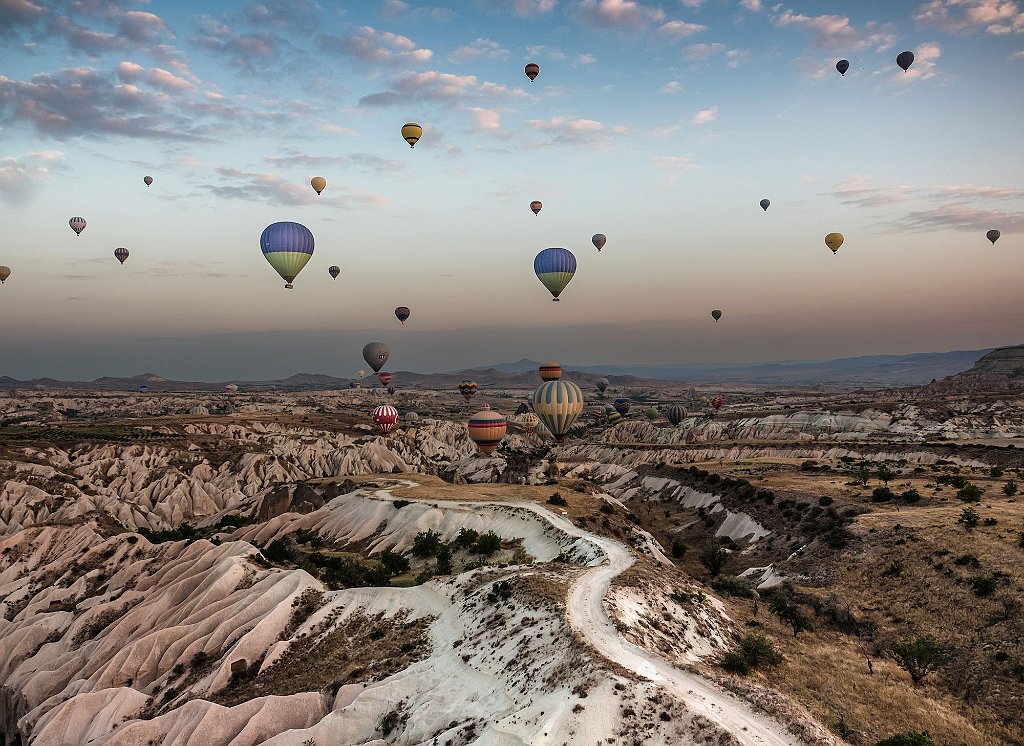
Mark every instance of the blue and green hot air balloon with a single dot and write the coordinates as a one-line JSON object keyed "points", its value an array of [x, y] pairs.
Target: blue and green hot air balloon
{"points": [[287, 246], [554, 268]]}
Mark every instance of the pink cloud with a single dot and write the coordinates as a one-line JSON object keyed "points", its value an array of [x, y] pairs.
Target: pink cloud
{"points": [[705, 116], [628, 15]]}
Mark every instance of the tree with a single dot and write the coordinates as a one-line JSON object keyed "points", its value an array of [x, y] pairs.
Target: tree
{"points": [[426, 543], [678, 548], [1010, 488], [783, 605], [970, 493], [918, 656], [885, 474], [910, 738], [444, 560], [969, 517], [861, 474], [713, 557], [487, 544]]}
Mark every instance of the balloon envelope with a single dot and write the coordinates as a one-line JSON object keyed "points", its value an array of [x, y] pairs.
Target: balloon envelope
{"points": [[385, 416], [121, 254], [558, 404], [148, 180], [403, 313], [536, 205], [5, 272], [555, 268], [287, 247], [486, 429], [77, 225], [905, 60], [834, 241], [385, 378], [764, 204], [375, 354], [468, 389], [550, 371], [621, 406], [334, 271], [319, 183], [652, 413], [532, 71], [716, 314], [993, 235], [412, 133], [599, 240], [717, 403], [602, 384], [676, 414], [842, 66]]}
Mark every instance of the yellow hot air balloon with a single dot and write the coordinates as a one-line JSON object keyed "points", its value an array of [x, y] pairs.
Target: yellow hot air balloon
{"points": [[319, 183], [834, 241], [412, 133], [486, 429], [558, 404]]}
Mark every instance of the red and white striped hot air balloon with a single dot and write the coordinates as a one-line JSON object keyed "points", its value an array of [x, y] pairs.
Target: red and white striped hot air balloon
{"points": [[486, 429], [385, 416]]}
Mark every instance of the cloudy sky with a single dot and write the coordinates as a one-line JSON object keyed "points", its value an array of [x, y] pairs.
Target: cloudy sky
{"points": [[660, 123]]}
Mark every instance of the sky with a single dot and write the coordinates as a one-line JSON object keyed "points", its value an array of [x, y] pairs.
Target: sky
{"points": [[659, 124]]}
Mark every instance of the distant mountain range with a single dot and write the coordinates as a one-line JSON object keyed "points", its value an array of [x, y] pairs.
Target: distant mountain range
{"points": [[868, 371]]}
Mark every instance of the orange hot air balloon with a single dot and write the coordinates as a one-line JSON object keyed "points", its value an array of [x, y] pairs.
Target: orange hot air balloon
{"points": [[550, 371], [486, 429], [535, 206]]}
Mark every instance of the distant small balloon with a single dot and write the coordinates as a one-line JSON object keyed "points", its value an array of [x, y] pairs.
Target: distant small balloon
{"points": [[468, 389], [360, 373], [621, 405], [5, 272], [77, 225], [319, 183], [717, 403], [385, 416], [376, 354], [676, 414], [532, 71], [599, 240], [148, 180], [550, 371], [716, 314], [764, 204], [555, 267], [834, 241], [486, 429], [385, 378], [905, 60], [536, 206], [652, 413], [993, 235], [402, 313], [334, 271], [602, 384], [121, 254], [412, 133], [842, 66], [391, 390]]}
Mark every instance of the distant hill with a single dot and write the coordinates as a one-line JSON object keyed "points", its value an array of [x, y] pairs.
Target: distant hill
{"points": [[1000, 370]]}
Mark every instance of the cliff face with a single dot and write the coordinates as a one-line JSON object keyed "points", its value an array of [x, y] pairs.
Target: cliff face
{"points": [[1000, 370]]}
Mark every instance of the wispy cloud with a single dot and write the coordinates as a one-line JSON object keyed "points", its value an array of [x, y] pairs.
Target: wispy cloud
{"points": [[365, 162], [20, 177], [705, 116], [565, 131], [680, 29], [676, 164], [999, 17], [961, 217], [835, 31], [276, 190], [751, 5], [487, 49], [437, 86], [526, 8], [370, 45], [673, 86], [625, 15], [485, 120]]}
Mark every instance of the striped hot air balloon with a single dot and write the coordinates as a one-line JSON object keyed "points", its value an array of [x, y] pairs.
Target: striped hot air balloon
{"points": [[550, 371], [385, 378], [121, 254], [529, 419], [486, 429], [288, 247], [385, 416], [558, 404], [77, 225], [334, 271], [717, 403], [143, 389], [614, 417], [412, 133], [354, 384], [555, 268], [411, 417], [468, 389], [532, 71], [402, 313], [536, 206], [676, 414], [231, 388], [621, 405], [542, 430]]}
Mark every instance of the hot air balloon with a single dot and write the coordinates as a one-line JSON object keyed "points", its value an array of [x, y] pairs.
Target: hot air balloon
{"points": [[148, 180], [376, 354], [287, 246], [558, 404], [530, 419], [993, 235], [360, 373], [614, 418], [905, 60], [554, 268], [231, 388], [385, 378], [468, 389], [717, 403], [621, 406], [334, 271], [486, 429], [391, 390], [319, 183], [77, 225], [542, 430], [121, 254], [834, 241], [599, 240], [411, 417], [676, 414], [716, 314], [412, 133], [550, 371], [602, 385], [143, 389], [535, 206], [402, 313], [842, 66], [485, 405], [199, 410], [652, 413], [385, 416], [5, 272], [532, 71], [765, 203], [354, 384]]}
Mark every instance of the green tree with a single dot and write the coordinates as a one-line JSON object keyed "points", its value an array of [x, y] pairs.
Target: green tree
{"points": [[444, 560], [918, 656], [910, 738], [783, 605], [861, 474], [970, 493], [885, 474], [678, 548], [713, 557], [1010, 488], [487, 544], [969, 517], [426, 543]]}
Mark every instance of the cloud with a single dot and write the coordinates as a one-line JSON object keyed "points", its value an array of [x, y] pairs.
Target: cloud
{"points": [[370, 45], [860, 192], [546, 52], [81, 38], [293, 15], [479, 49], [564, 131], [436, 86], [526, 8], [701, 52], [361, 161], [676, 30], [751, 5], [1019, 55], [924, 67], [485, 120], [393, 8], [251, 52], [836, 32], [24, 12], [276, 190], [676, 164], [585, 59], [20, 177], [999, 17], [961, 217], [673, 86], [627, 15], [705, 116], [142, 28]]}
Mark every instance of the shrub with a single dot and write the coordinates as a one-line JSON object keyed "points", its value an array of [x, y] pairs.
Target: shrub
{"points": [[968, 560], [995, 472], [426, 543], [984, 585], [918, 656], [607, 508], [969, 517], [444, 560], [910, 496], [395, 564], [908, 739], [487, 544], [885, 474], [783, 605], [713, 557], [882, 495], [276, 551], [759, 651], [678, 548], [1010, 488], [467, 537], [825, 501], [733, 586], [557, 499], [734, 662], [970, 493]]}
